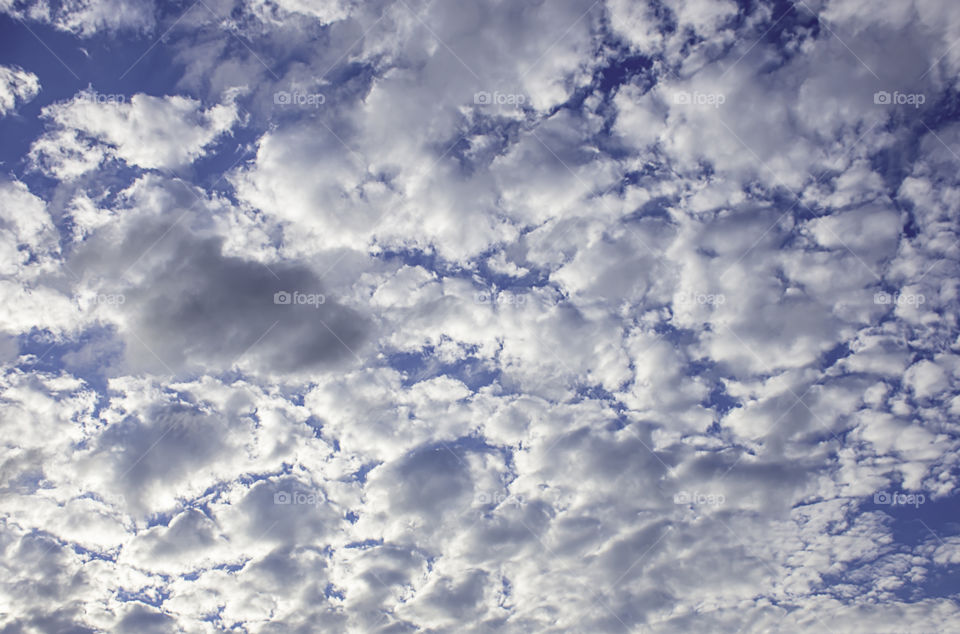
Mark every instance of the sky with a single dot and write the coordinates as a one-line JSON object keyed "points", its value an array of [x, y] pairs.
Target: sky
{"points": [[489, 316]]}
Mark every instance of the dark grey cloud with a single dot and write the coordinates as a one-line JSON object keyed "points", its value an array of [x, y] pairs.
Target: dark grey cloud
{"points": [[144, 619], [192, 307]]}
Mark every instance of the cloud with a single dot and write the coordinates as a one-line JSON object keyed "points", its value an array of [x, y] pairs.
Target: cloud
{"points": [[17, 86], [147, 132], [559, 316], [87, 17], [188, 306], [27, 235]]}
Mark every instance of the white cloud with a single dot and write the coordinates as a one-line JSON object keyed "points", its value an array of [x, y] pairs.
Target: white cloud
{"points": [[148, 132], [17, 86], [638, 351], [27, 234], [86, 18]]}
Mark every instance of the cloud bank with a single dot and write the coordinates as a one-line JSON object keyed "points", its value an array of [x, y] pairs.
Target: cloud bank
{"points": [[519, 317]]}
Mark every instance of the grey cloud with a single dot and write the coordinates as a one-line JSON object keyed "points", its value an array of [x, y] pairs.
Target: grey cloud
{"points": [[140, 618], [266, 518], [603, 391], [431, 480], [195, 307], [159, 450]]}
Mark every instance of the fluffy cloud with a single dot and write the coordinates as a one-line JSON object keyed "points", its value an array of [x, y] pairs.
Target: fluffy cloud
{"points": [[16, 86], [546, 317], [148, 132]]}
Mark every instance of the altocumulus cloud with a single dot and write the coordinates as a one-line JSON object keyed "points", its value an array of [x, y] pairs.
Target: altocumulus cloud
{"points": [[526, 317]]}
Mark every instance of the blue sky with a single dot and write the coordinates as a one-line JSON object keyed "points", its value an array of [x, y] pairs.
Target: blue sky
{"points": [[430, 316]]}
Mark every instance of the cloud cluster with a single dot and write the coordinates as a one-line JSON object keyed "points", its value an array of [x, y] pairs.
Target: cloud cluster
{"points": [[510, 317]]}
